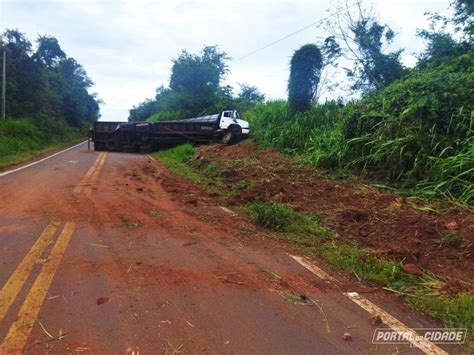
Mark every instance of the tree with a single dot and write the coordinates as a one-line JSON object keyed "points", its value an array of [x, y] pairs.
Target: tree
{"points": [[194, 73], [196, 77], [364, 44], [48, 52], [24, 82], [196, 89], [46, 85], [142, 111], [464, 16], [247, 97], [77, 107], [305, 70], [330, 51], [462, 20], [250, 94], [442, 42], [441, 46]]}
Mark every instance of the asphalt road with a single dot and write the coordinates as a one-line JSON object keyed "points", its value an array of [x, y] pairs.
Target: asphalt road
{"points": [[96, 256]]}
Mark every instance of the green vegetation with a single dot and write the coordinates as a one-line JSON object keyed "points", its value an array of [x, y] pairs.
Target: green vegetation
{"points": [[283, 218], [315, 134], [455, 311], [305, 72], [20, 139], [176, 158], [180, 161], [48, 102]]}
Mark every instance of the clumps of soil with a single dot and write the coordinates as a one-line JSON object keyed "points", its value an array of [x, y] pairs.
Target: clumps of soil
{"points": [[102, 300], [438, 240]]}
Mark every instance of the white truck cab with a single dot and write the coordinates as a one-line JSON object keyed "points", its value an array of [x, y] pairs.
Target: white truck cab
{"points": [[233, 126]]}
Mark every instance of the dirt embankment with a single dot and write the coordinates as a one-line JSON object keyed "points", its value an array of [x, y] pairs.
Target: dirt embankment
{"points": [[439, 240]]}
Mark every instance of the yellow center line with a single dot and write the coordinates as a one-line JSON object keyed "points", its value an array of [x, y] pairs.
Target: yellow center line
{"points": [[88, 189], [86, 177], [14, 284], [19, 331]]}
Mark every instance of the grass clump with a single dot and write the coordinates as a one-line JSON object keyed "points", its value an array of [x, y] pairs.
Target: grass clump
{"points": [[455, 311], [361, 263], [453, 240], [283, 218], [176, 160], [179, 160]]}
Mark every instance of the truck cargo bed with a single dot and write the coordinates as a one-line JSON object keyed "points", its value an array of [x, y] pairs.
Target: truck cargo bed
{"points": [[148, 136]]}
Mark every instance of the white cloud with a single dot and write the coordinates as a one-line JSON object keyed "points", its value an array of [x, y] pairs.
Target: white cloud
{"points": [[126, 46]]}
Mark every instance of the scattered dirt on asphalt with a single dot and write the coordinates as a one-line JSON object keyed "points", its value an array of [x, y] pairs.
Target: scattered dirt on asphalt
{"points": [[437, 239]]}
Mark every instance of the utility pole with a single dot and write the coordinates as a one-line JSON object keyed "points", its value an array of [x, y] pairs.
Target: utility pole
{"points": [[4, 82]]}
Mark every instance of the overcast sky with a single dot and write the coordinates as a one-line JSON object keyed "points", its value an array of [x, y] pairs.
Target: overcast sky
{"points": [[126, 46]]}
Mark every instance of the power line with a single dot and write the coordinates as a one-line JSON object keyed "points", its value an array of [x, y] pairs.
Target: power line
{"points": [[291, 34]]}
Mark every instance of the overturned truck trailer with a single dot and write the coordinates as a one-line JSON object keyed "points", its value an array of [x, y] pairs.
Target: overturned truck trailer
{"points": [[225, 126]]}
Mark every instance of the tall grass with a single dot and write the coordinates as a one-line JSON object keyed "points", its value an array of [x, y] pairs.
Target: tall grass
{"points": [[417, 133], [315, 134]]}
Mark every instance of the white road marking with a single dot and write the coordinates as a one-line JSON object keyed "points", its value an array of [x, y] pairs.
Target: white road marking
{"points": [[323, 275], [39, 161], [424, 345], [421, 343]]}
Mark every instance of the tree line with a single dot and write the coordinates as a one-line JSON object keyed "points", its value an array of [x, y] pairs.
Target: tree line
{"points": [[45, 84]]}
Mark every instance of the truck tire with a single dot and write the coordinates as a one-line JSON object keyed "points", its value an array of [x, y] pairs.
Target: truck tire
{"points": [[228, 138], [232, 135]]}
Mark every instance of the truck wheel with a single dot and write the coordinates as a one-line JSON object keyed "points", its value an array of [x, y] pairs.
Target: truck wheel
{"points": [[228, 138], [232, 135]]}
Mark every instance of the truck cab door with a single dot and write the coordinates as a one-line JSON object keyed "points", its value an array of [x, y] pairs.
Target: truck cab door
{"points": [[227, 119]]}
